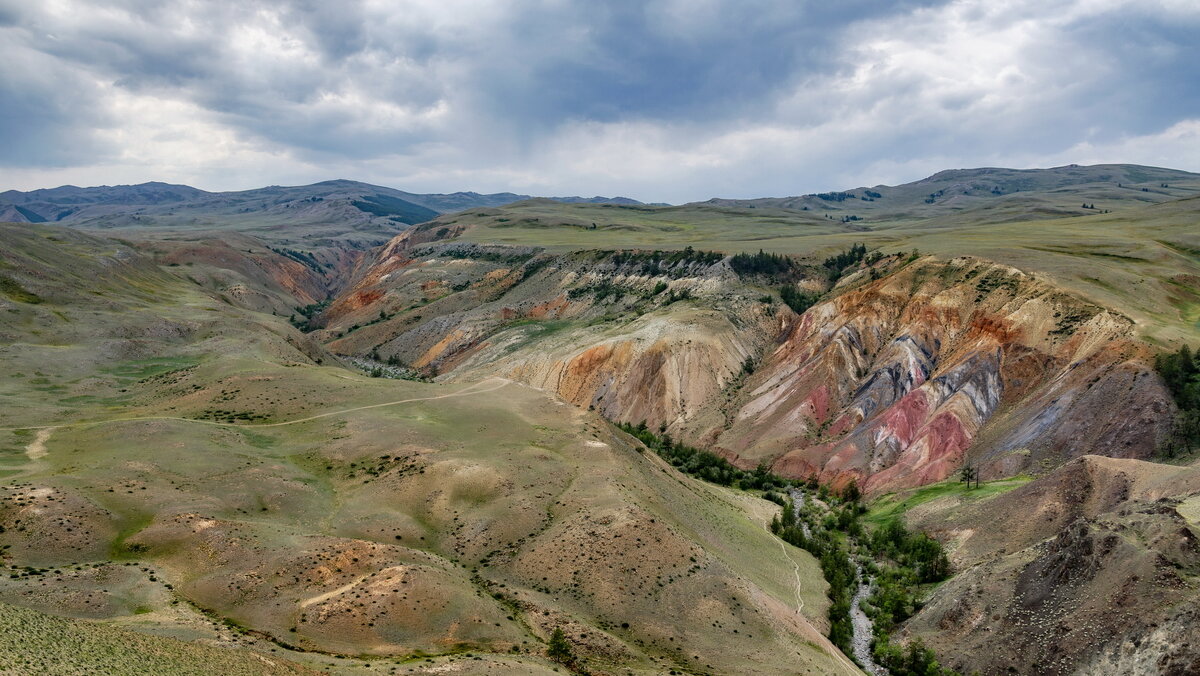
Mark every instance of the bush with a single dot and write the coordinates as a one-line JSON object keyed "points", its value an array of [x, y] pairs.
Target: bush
{"points": [[798, 299], [1180, 372]]}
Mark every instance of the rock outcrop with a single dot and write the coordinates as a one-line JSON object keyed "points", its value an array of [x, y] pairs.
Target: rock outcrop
{"points": [[1087, 570]]}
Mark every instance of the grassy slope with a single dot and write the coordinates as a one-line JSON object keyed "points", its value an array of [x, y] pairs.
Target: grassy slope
{"points": [[896, 505], [501, 492], [296, 483], [33, 642], [1142, 259], [1005, 194]]}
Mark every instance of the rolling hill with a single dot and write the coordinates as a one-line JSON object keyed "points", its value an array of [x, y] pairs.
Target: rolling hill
{"points": [[991, 194], [184, 467], [335, 429], [158, 203]]}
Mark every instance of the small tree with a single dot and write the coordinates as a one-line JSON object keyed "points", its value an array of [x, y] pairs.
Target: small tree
{"points": [[851, 493], [968, 474], [558, 649]]}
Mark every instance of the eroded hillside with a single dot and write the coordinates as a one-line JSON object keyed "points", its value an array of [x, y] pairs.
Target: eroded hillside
{"points": [[907, 369], [1090, 569], [193, 447], [184, 466]]}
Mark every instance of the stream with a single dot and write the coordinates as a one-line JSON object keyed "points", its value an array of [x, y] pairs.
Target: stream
{"points": [[863, 628]]}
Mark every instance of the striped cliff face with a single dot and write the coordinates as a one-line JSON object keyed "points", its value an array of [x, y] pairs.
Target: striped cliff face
{"points": [[900, 382], [901, 377]]}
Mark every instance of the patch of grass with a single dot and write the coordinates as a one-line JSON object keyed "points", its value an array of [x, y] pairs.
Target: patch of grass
{"points": [[894, 505], [257, 440], [140, 369], [32, 642], [10, 288]]}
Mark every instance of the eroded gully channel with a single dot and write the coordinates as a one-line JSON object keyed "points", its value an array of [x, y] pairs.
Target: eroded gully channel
{"points": [[863, 628]]}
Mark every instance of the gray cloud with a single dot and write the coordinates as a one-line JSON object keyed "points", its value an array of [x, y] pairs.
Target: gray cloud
{"points": [[670, 99]]}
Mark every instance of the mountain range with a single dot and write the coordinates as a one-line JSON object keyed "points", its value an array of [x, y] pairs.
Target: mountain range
{"points": [[98, 205]]}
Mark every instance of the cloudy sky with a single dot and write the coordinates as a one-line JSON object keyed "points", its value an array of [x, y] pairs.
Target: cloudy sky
{"points": [[661, 100]]}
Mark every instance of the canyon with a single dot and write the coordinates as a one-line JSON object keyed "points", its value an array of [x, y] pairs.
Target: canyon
{"points": [[292, 425]]}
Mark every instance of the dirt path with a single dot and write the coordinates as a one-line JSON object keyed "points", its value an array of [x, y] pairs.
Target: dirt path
{"points": [[795, 571], [46, 429], [798, 502], [336, 592], [36, 450]]}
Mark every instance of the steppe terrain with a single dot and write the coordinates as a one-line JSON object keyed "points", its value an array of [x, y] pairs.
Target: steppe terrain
{"points": [[343, 429]]}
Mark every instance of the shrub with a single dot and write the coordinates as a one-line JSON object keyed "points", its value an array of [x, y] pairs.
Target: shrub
{"points": [[1180, 372], [798, 299]]}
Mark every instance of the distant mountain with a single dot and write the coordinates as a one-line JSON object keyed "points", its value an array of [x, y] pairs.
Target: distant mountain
{"points": [[595, 200], [154, 192], [62, 203], [104, 203], [1007, 194]]}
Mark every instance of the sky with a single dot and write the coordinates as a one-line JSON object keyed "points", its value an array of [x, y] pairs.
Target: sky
{"points": [[659, 100]]}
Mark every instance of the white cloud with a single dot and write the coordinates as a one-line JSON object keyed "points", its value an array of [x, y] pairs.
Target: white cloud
{"points": [[1176, 146], [665, 100]]}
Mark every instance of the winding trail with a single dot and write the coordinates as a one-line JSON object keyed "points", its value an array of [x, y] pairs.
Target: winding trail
{"points": [[795, 571], [47, 429], [797, 504], [336, 592]]}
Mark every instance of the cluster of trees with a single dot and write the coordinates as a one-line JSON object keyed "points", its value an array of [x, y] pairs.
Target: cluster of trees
{"points": [[477, 253], [828, 525], [798, 299], [835, 196], [902, 561], [302, 257], [307, 313], [682, 294], [774, 266], [1180, 371], [916, 552], [600, 290], [606, 289], [850, 257], [915, 660], [968, 474], [673, 264], [704, 464]]}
